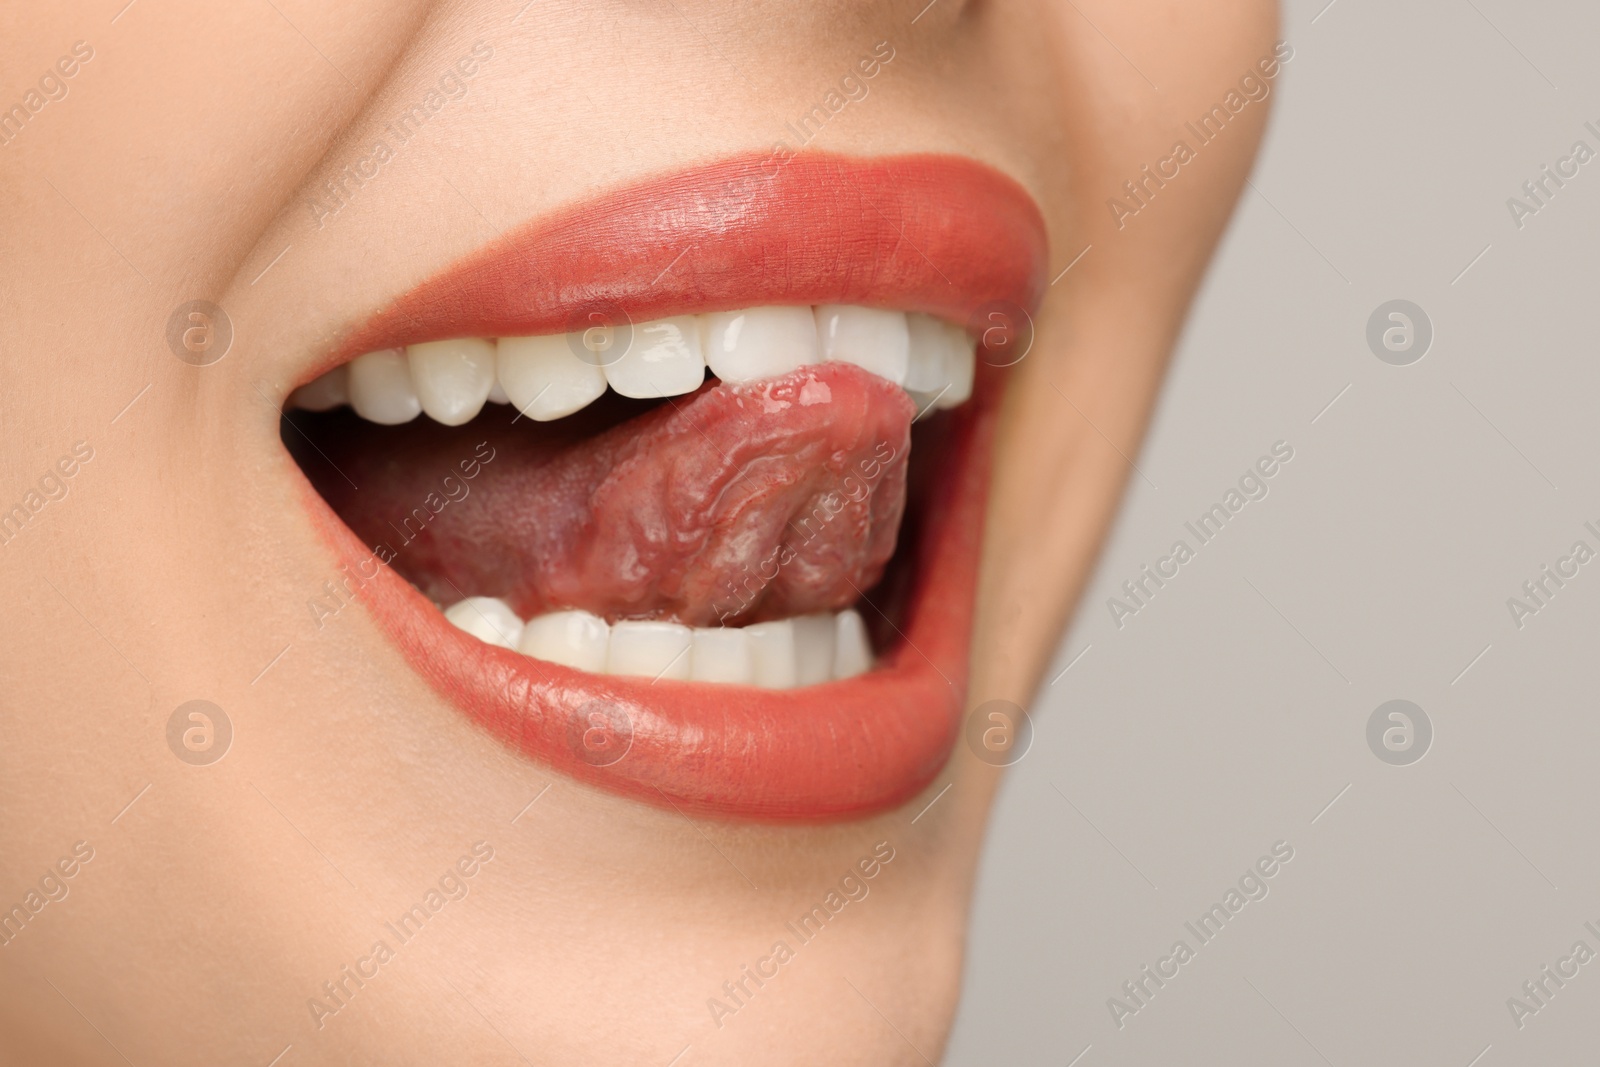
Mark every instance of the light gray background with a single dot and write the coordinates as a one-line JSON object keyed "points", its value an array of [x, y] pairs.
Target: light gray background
{"points": [[1231, 711]]}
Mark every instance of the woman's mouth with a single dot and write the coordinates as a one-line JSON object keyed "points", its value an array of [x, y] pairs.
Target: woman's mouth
{"points": [[681, 490]]}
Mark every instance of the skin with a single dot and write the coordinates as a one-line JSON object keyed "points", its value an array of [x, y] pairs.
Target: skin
{"points": [[180, 562]]}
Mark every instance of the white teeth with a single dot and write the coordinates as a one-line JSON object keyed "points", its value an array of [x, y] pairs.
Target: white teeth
{"points": [[963, 368], [324, 393], [722, 654], [773, 653], [663, 360], [808, 650], [942, 362], [852, 653], [930, 350], [452, 378], [570, 638], [874, 340], [545, 379], [650, 650], [762, 342], [813, 648], [381, 389], [489, 620]]}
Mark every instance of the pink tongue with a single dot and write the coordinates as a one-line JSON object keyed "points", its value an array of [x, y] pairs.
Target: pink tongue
{"points": [[738, 503]]}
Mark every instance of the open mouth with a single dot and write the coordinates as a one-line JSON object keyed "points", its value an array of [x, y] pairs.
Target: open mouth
{"points": [[681, 490]]}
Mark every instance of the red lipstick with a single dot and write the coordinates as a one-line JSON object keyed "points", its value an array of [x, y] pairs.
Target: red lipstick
{"points": [[937, 234]]}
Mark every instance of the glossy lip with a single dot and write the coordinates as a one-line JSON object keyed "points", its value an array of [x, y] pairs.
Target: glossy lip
{"points": [[940, 234]]}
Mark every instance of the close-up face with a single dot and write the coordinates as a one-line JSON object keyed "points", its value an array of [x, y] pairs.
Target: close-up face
{"points": [[530, 529]]}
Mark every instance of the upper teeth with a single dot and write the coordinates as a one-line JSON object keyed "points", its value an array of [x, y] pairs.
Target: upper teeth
{"points": [[547, 378], [773, 655]]}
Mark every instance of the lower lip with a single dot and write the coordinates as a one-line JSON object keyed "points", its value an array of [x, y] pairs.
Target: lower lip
{"points": [[826, 752]]}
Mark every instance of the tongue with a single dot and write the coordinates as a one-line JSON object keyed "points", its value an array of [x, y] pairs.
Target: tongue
{"points": [[736, 504]]}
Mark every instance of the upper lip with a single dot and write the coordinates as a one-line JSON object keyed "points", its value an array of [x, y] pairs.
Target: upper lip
{"points": [[939, 234], [932, 233]]}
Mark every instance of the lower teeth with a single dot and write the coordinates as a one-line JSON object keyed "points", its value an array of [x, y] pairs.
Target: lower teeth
{"points": [[771, 655]]}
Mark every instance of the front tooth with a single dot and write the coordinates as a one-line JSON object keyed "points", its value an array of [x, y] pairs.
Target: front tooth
{"points": [[663, 360], [874, 340], [488, 619], [761, 342], [928, 369], [813, 648], [453, 377], [381, 390], [570, 638], [650, 650], [325, 392], [941, 365], [772, 652], [963, 367], [497, 392], [721, 654], [545, 379], [852, 653]]}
